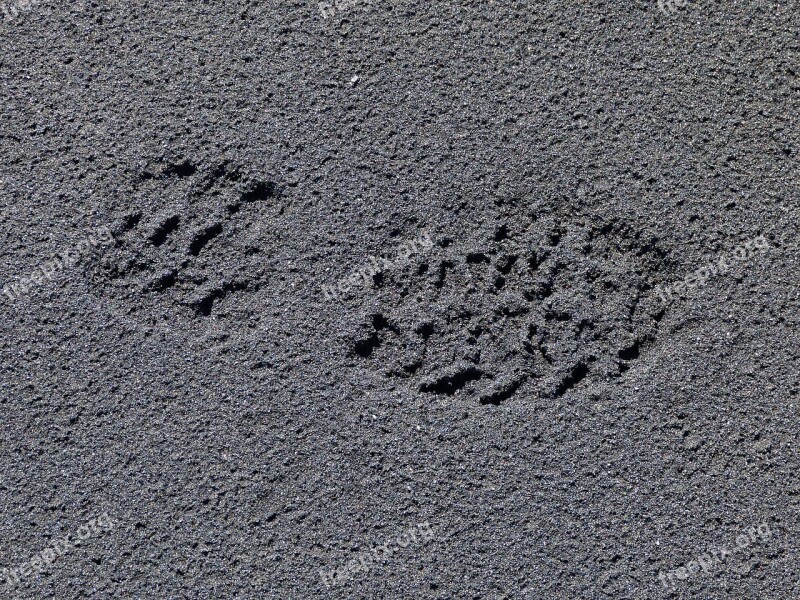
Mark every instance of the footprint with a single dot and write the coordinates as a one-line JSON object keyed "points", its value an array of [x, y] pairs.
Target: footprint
{"points": [[539, 307], [191, 261]]}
